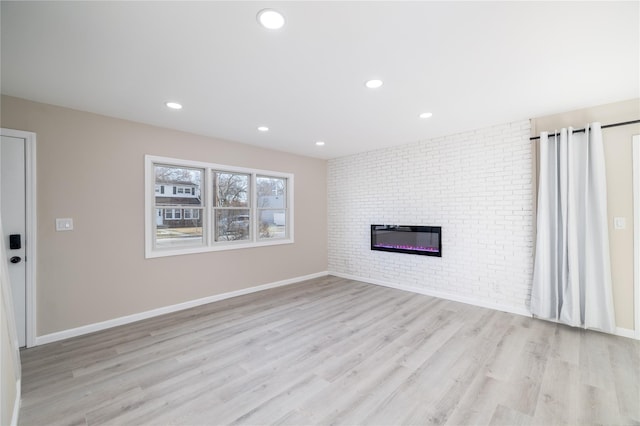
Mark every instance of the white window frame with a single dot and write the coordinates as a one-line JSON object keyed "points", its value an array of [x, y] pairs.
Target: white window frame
{"points": [[206, 191]]}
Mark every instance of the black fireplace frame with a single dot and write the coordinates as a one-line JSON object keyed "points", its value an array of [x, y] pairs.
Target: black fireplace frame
{"points": [[407, 228]]}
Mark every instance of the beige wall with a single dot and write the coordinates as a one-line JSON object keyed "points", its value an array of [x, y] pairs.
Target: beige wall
{"points": [[91, 168], [619, 165]]}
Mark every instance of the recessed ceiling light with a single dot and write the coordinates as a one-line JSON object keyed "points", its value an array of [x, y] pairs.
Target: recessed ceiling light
{"points": [[263, 128], [270, 19], [320, 143], [425, 115], [173, 105], [373, 84]]}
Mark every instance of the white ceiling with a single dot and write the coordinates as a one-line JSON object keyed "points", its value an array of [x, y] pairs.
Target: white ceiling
{"points": [[472, 64]]}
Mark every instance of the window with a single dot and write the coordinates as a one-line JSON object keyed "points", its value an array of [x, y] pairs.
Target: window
{"points": [[210, 207], [230, 209], [173, 230], [172, 214], [272, 207], [191, 214]]}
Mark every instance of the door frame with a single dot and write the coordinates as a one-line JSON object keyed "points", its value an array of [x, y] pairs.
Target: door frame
{"points": [[636, 234], [30, 229]]}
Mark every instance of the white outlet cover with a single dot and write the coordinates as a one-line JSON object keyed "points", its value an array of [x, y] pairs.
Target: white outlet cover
{"points": [[64, 224], [619, 222]]}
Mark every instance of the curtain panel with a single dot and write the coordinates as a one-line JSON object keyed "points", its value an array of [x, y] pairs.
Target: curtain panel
{"points": [[572, 269]]}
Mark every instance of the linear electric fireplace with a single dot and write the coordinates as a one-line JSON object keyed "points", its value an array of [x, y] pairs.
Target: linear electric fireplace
{"points": [[423, 240]]}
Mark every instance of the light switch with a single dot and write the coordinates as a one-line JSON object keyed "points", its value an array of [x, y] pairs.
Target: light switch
{"points": [[64, 224], [619, 222]]}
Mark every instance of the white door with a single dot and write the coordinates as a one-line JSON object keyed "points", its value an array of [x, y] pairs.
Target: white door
{"points": [[13, 214]]}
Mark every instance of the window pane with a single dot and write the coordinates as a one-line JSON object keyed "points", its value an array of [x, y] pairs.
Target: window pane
{"points": [[232, 224], [273, 224], [272, 204], [271, 192], [178, 186], [231, 189], [174, 230]]}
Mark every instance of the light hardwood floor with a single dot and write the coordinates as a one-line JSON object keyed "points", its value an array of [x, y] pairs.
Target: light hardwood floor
{"points": [[334, 351]]}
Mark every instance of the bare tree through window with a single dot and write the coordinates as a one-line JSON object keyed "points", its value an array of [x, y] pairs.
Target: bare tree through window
{"points": [[231, 208]]}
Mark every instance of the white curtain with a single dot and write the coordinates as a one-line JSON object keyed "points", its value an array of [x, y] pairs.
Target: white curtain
{"points": [[572, 270]]}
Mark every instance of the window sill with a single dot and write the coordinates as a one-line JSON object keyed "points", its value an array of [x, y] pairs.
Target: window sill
{"points": [[177, 251]]}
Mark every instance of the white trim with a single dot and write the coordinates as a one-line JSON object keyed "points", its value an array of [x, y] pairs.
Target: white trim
{"points": [[625, 332], [32, 221], [619, 331], [289, 218], [31, 229], [636, 234], [438, 294], [149, 211], [90, 328]]}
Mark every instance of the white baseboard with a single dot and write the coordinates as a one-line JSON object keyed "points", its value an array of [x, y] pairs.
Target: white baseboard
{"points": [[623, 332], [627, 332], [91, 328], [438, 294], [619, 331]]}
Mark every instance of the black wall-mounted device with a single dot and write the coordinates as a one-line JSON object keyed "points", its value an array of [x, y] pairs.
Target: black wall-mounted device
{"points": [[14, 242]]}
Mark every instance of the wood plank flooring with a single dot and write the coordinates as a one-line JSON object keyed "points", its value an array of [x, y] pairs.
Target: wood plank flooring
{"points": [[334, 351]]}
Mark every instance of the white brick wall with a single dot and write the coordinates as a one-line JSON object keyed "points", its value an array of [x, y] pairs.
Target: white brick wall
{"points": [[476, 185]]}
